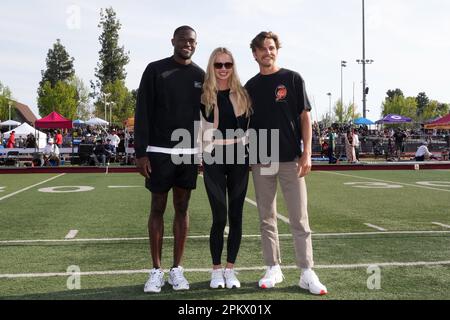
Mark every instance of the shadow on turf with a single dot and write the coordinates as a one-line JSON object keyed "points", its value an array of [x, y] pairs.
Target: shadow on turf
{"points": [[198, 291]]}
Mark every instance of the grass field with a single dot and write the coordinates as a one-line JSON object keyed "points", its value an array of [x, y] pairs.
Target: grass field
{"points": [[396, 220]]}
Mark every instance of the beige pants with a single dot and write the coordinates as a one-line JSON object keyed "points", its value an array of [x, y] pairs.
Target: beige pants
{"points": [[295, 196]]}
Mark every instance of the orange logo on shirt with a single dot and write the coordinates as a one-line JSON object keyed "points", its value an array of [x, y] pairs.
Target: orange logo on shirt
{"points": [[281, 93]]}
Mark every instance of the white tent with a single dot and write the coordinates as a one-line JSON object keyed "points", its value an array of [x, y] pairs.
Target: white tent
{"points": [[97, 122], [10, 123], [24, 130]]}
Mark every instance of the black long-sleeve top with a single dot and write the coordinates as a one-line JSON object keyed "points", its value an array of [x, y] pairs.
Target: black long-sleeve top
{"points": [[168, 99]]}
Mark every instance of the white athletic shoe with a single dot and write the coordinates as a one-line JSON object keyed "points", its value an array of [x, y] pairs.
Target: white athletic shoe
{"points": [[272, 277], [230, 279], [177, 279], [155, 281], [217, 280], [310, 281]]}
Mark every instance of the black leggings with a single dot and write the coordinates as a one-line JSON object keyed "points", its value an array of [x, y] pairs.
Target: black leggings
{"points": [[220, 178]]}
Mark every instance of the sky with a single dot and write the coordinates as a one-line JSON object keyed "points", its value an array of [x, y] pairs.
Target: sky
{"points": [[407, 39]]}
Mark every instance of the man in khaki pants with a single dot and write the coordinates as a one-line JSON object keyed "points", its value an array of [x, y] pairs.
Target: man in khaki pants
{"points": [[281, 108]]}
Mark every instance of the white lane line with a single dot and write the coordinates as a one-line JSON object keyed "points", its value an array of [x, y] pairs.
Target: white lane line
{"points": [[375, 227], [124, 187], [30, 187], [71, 235], [280, 216], [227, 230], [441, 225], [385, 181], [146, 271], [8, 242]]}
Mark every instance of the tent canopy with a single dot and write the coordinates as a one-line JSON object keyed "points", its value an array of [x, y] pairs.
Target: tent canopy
{"points": [[441, 123], [54, 121], [363, 121], [394, 118], [11, 123], [97, 122], [24, 130]]}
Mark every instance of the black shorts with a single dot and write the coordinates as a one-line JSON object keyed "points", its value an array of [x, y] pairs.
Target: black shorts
{"points": [[165, 174]]}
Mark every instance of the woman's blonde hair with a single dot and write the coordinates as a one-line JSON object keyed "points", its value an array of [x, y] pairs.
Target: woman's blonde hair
{"points": [[210, 89]]}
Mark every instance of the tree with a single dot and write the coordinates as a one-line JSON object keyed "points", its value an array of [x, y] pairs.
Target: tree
{"points": [[392, 93], [59, 65], [61, 98], [5, 99], [400, 105], [113, 58], [83, 108], [422, 102], [124, 102], [345, 113]]}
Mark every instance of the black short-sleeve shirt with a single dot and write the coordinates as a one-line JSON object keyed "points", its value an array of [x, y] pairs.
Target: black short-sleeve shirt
{"points": [[278, 100]]}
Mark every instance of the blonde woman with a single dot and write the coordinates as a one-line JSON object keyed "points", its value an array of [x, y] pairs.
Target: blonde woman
{"points": [[226, 109]]}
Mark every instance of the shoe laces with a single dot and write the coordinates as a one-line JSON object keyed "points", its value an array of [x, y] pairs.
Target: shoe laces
{"points": [[230, 274], [155, 277], [177, 275], [272, 272], [217, 274]]}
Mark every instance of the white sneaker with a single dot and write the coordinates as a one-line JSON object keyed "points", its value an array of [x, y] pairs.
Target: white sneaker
{"points": [[310, 281], [155, 281], [177, 279], [230, 279], [217, 280], [272, 277]]}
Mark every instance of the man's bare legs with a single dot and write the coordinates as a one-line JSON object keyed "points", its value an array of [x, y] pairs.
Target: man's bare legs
{"points": [[180, 223], [156, 226]]}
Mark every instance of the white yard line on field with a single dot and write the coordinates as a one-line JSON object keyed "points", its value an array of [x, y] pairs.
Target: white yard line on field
{"points": [[71, 235], [375, 227], [441, 225], [385, 181], [30, 187], [145, 271], [280, 216], [11, 242]]}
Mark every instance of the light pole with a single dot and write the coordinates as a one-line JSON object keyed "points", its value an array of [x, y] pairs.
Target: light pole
{"points": [[364, 61], [105, 96], [329, 96], [110, 111], [343, 65], [9, 109]]}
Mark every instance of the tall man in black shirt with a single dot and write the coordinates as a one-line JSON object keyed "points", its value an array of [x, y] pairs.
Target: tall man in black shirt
{"points": [[281, 106], [169, 100]]}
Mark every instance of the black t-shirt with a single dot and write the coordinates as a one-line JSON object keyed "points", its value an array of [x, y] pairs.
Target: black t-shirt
{"points": [[168, 99], [227, 117], [278, 100]]}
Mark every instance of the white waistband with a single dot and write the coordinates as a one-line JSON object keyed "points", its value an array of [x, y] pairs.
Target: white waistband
{"points": [[173, 150]]}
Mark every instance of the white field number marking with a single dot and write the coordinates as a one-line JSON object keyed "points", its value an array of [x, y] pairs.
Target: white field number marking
{"points": [[373, 185], [61, 189], [2, 189]]}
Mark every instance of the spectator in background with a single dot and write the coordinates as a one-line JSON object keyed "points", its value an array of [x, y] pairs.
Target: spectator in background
{"points": [[423, 153], [350, 147], [58, 139], [357, 144], [331, 145], [51, 153], [31, 141], [399, 137], [100, 153], [11, 141], [114, 139]]}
